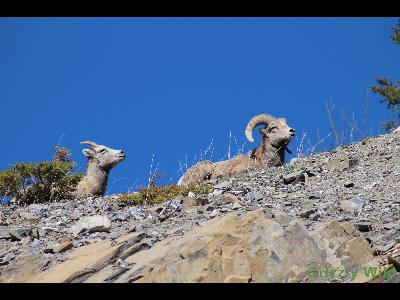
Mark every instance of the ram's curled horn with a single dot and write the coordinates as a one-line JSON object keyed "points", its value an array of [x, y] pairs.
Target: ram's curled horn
{"points": [[93, 144], [262, 119]]}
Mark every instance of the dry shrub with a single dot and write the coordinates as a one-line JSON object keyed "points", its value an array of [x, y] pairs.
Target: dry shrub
{"points": [[159, 194], [40, 182]]}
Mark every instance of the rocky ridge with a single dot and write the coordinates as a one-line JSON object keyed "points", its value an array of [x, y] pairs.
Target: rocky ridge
{"points": [[333, 210]]}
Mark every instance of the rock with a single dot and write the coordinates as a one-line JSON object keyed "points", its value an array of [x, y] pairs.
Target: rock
{"points": [[315, 216], [3, 222], [371, 185], [236, 205], [387, 219], [238, 191], [35, 233], [282, 218], [24, 268], [222, 185], [74, 217], [235, 248], [37, 207], [120, 217], [217, 192], [4, 235], [397, 130], [313, 171], [201, 201], [339, 165], [137, 213], [363, 226], [229, 198], [189, 202], [294, 177], [255, 195], [114, 235], [209, 208], [162, 218], [349, 184], [281, 196], [251, 248], [62, 246], [389, 226], [368, 237], [379, 249], [214, 213], [224, 199], [19, 234], [7, 258], [352, 205], [28, 216], [306, 213], [90, 224], [87, 260]]}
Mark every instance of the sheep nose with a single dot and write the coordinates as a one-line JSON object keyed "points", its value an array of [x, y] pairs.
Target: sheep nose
{"points": [[122, 152], [292, 130]]}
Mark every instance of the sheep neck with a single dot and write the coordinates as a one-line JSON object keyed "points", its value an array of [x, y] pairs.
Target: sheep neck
{"points": [[269, 155], [97, 176]]}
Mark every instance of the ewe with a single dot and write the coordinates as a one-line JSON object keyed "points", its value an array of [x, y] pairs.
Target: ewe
{"points": [[101, 160], [276, 136]]}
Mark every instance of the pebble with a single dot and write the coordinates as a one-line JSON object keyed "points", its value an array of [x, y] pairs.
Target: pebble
{"points": [[383, 248], [236, 205], [214, 213], [352, 205], [349, 184], [363, 226], [91, 224], [389, 226], [307, 212], [7, 258], [294, 177]]}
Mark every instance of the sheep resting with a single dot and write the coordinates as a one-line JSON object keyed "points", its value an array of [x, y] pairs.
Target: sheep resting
{"points": [[276, 136]]}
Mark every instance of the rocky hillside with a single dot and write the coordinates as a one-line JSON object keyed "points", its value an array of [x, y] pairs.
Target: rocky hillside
{"points": [[331, 217]]}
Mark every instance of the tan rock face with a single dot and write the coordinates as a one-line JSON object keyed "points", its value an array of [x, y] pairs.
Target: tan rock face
{"points": [[254, 247], [25, 269]]}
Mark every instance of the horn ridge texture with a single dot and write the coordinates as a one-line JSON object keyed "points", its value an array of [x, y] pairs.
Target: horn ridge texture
{"points": [[262, 119]]}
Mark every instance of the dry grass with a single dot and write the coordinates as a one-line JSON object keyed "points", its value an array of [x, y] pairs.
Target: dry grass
{"points": [[159, 194]]}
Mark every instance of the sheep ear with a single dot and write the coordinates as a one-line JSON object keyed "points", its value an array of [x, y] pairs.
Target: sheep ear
{"points": [[263, 131], [282, 119], [88, 152]]}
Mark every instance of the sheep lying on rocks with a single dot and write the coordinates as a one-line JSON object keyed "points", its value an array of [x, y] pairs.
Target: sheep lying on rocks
{"points": [[276, 136], [101, 160]]}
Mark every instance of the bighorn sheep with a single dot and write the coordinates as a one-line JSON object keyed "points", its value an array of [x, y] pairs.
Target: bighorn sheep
{"points": [[276, 136], [101, 160]]}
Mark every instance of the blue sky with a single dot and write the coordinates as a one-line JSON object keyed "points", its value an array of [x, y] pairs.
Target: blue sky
{"points": [[168, 88]]}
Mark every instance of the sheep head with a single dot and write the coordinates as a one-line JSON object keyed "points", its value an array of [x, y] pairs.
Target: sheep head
{"points": [[276, 131], [105, 157]]}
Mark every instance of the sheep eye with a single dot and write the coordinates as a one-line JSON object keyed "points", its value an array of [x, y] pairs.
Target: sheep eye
{"points": [[273, 129], [103, 150]]}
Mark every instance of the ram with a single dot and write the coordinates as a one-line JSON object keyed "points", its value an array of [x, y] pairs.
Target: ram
{"points": [[276, 135], [101, 160]]}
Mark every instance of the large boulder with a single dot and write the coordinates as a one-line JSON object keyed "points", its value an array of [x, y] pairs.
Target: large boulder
{"points": [[257, 248]]}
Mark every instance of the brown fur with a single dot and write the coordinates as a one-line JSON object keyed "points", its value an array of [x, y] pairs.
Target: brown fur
{"points": [[270, 153]]}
